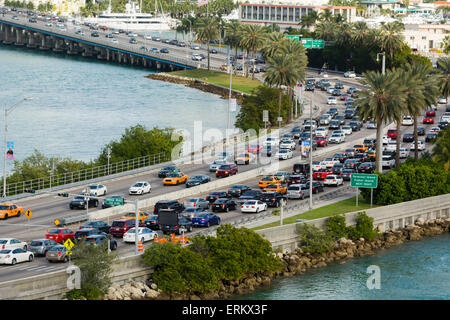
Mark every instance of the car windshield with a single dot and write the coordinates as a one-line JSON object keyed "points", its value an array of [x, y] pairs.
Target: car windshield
{"points": [[130, 214], [79, 198], [4, 207], [5, 251], [54, 231], [35, 243], [118, 223], [93, 187], [173, 175], [250, 202], [224, 167], [138, 185], [192, 200]]}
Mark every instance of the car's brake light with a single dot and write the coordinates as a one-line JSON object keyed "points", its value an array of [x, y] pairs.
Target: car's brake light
{"points": [[59, 254]]}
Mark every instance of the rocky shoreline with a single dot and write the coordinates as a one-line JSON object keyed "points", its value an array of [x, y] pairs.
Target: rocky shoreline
{"points": [[294, 263], [198, 84]]}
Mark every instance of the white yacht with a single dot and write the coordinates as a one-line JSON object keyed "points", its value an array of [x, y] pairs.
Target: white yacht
{"points": [[134, 20]]}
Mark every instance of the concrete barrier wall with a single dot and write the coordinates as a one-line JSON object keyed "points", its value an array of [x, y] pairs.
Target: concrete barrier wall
{"points": [[386, 218], [53, 286]]}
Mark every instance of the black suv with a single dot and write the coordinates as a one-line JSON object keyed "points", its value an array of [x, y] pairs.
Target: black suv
{"points": [[81, 234], [100, 225], [95, 34], [98, 239], [341, 156], [151, 222], [237, 190], [168, 204], [213, 196], [166, 170], [296, 179], [249, 195], [183, 225], [223, 205], [272, 198], [80, 202]]}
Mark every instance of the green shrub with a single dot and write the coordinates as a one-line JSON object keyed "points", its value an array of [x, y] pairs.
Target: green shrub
{"points": [[336, 227], [314, 240], [364, 228]]}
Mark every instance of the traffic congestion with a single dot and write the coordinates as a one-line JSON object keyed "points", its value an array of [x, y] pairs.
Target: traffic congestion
{"points": [[336, 124]]}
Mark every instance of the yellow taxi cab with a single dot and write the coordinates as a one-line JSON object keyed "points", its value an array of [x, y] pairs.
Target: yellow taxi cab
{"points": [[8, 210], [244, 158], [132, 215], [360, 147], [371, 154], [276, 187], [175, 178], [223, 67], [264, 182]]}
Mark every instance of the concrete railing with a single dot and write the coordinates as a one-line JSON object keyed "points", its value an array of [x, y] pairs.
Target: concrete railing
{"points": [[53, 286], [386, 218]]}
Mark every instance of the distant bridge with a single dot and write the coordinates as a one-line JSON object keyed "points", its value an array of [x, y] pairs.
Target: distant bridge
{"points": [[19, 31]]}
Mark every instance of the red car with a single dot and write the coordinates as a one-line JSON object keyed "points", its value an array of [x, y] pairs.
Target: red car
{"points": [[256, 148], [321, 175], [428, 120], [321, 141], [226, 170], [392, 133], [60, 235], [431, 113], [344, 97]]}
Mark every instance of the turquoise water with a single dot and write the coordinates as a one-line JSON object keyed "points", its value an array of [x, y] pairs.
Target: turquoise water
{"points": [[412, 271], [79, 105]]}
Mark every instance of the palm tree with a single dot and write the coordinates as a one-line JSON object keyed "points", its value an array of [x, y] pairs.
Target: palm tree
{"points": [[326, 15], [441, 149], [207, 29], [430, 91], [282, 70], [380, 102], [444, 64], [233, 35], [310, 19], [391, 39], [253, 38], [325, 30], [274, 42], [360, 33]]}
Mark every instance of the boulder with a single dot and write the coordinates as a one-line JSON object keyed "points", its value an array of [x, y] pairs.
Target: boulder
{"points": [[153, 286], [420, 221], [152, 294]]}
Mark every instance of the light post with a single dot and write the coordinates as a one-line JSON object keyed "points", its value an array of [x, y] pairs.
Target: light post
{"points": [[108, 156], [310, 153], [230, 68], [6, 132], [380, 125]]}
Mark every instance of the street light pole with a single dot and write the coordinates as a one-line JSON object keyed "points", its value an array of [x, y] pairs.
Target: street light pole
{"points": [[310, 153], [136, 228], [5, 142], [380, 125], [229, 98]]}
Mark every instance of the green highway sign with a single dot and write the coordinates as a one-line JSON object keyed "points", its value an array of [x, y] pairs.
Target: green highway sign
{"points": [[294, 37], [318, 44], [114, 201], [362, 180]]}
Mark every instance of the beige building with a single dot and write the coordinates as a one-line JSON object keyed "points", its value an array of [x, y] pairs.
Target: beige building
{"points": [[426, 37], [287, 15], [62, 7]]}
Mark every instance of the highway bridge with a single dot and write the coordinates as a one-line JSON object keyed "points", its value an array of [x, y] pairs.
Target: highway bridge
{"points": [[17, 29]]}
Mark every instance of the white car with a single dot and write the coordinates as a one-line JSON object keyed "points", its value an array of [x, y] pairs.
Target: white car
{"points": [[97, 189], [371, 125], [442, 100], [197, 57], [322, 132], [391, 146], [287, 144], [12, 243], [253, 206], [195, 47], [388, 162], [144, 235], [333, 180], [337, 138], [404, 153], [274, 142], [445, 118], [324, 74], [347, 130], [310, 123], [330, 89], [325, 119], [434, 129], [13, 256], [407, 121], [228, 156], [420, 144], [332, 100], [216, 164], [284, 154], [148, 37], [318, 165], [386, 139], [350, 74], [114, 40], [140, 187], [330, 162]]}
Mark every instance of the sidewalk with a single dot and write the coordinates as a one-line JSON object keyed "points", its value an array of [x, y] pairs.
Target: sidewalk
{"points": [[316, 204]]}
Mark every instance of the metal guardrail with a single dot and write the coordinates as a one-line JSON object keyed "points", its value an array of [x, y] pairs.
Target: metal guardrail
{"points": [[64, 221], [83, 175]]}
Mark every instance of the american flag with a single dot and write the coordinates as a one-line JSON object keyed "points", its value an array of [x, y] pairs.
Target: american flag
{"points": [[202, 3]]}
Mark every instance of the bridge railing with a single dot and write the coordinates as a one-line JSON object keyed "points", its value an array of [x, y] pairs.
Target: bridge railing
{"points": [[68, 178]]}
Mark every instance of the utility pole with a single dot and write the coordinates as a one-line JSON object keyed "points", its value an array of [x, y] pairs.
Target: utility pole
{"points": [[310, 153], [108, 156], [5, 142], [229, 97], [379, 157], [136, 228]]}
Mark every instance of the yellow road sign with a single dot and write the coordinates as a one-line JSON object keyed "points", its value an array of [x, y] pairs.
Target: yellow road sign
{"points": [[56, 222], [28, 213], [68, 244], [68, 252]]}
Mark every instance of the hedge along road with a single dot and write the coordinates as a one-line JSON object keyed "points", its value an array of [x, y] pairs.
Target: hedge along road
{"points": [[48, 207]]}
